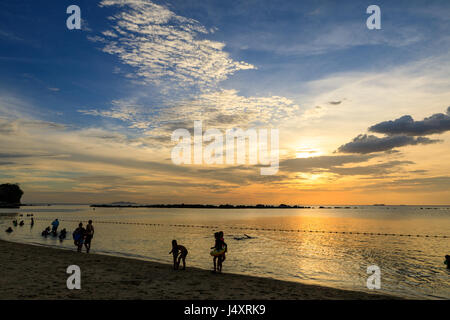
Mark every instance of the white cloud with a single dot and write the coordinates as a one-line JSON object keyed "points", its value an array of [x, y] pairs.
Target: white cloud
{"points": [[167, 49], [125, 110], [164, 47], [220, 109]]}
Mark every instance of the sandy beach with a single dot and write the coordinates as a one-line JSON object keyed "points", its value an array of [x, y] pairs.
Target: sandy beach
{"points": [[35, 272]]}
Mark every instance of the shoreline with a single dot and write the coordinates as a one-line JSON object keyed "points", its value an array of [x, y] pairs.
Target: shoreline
{"points": [[38, 272]]}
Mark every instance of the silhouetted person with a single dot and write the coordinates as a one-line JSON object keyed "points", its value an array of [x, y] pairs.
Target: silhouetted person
{"points": [[216, 247], [78, 237], [225, 247], [32, 221], [62, 234], [219, 246], [15, 223], [55, 225], [179, 252], [447, 261], [9, 230], [89, 236], [21, 223], [46, 232]]}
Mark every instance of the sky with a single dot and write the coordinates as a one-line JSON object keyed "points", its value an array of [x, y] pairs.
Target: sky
{"points": [[86, 116]]}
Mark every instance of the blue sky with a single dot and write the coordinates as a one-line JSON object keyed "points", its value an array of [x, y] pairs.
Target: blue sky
{"points": [[287, 43], [278, 63]]}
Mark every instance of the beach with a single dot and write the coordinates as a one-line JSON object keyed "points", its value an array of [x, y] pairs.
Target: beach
{"points": [[37, 272]]}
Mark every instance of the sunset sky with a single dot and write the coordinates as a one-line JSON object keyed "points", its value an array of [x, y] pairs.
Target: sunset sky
{"points": [[363, 115]]}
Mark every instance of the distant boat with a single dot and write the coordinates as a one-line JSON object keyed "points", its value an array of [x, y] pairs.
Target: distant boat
{"points": [[379, 204]]}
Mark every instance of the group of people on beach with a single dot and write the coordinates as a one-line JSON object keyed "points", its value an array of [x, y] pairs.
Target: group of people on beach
{"points": [[54, 231], [220, 248], [20, 224], [83, 236]]}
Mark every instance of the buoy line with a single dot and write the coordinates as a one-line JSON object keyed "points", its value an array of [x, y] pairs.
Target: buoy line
{"points": [[259, 229]]}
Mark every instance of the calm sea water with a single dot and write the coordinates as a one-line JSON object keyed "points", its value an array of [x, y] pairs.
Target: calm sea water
{"points": [[410, 266]]}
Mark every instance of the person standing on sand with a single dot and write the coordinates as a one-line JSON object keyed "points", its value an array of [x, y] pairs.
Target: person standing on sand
{"points": [[222, 257], [89, 236], [220, 245], [78, 236], [224, 246], [182, 251]]}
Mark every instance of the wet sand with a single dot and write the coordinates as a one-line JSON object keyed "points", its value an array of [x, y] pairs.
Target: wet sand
{"points": [[35, 272]]}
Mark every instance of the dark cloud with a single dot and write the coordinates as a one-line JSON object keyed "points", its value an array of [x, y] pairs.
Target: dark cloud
{"points": [[172, 126], [43, 125], [375, 169], [225, 119], [14, 155], [108, 136], [437, 123], [420, 171], [109, 182], [440, 183], [335, 164], [6, 128], [321, 162], [240, 175], [233, 176], [364, 144], [430, 184]]}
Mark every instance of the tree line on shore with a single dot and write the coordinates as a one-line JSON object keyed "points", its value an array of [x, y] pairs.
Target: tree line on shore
{"points": [[10, 195], [199, 206]]}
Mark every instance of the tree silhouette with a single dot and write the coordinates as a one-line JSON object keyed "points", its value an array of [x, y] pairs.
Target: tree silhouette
{"points": [[10, 193]]}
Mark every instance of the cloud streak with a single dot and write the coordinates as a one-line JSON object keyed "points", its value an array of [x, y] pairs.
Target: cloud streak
{"points": [[222, 109], [365, 144], [338, 165]]}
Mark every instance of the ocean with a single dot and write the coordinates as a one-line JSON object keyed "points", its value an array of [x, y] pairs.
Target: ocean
{"points": [[331, 246]]}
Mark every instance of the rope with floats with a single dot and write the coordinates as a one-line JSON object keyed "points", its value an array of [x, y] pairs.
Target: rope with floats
{"points": [[258, 229]]}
